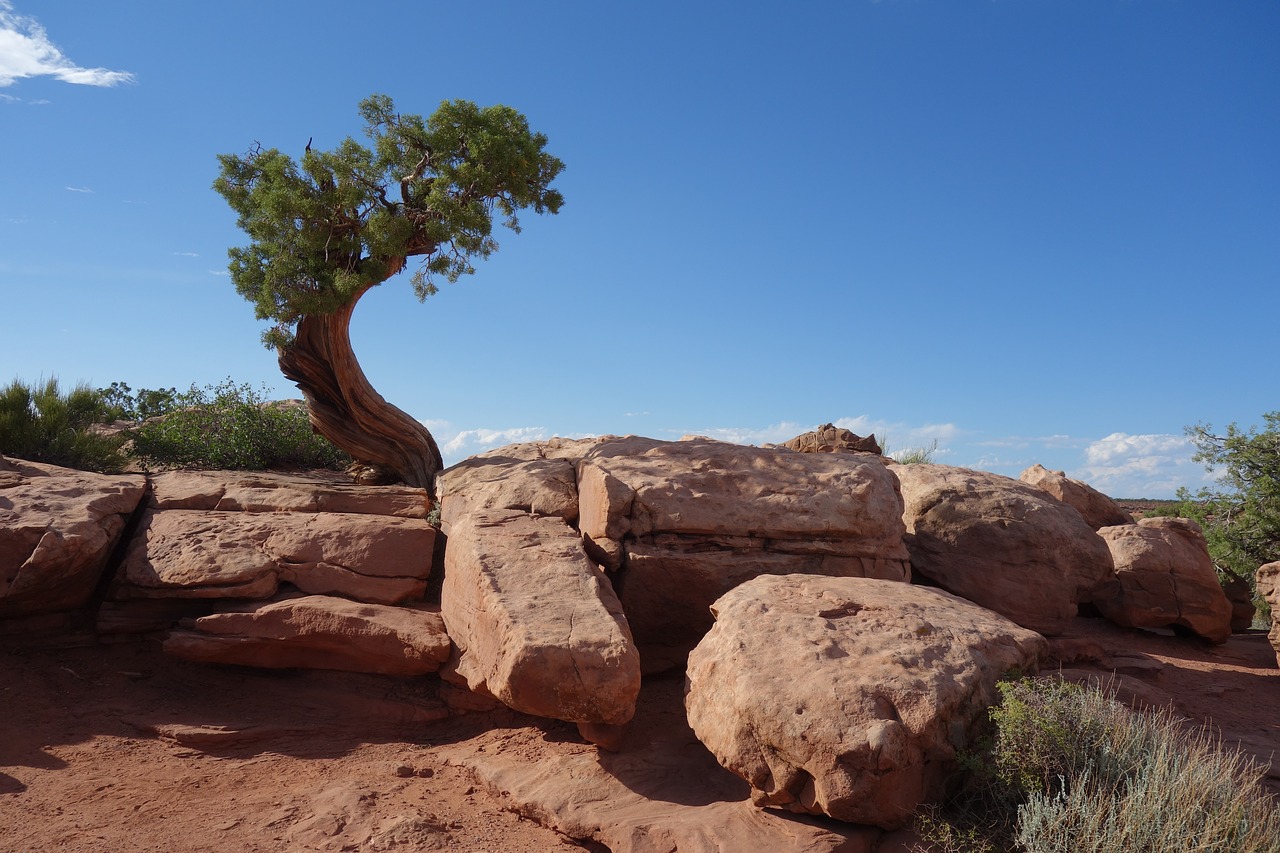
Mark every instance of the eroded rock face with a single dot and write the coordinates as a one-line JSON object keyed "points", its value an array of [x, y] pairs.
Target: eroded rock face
{"points": [[1098, 509], [317, 632], [247, 555], [536, 623], [58, 527], [537, 478], [1003, 544], [684, 522], [1166, 578], [1269, 589], [258, 491], [830, 438], [848, 696]]}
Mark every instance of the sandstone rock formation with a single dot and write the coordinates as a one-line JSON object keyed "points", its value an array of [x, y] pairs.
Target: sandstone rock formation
{"points": [[848, 696], [1166, 578], [57, 529], [536, 623], [261, 491], [1098, 509], [1003, 544], [1269, 588], [247, 555], [684, 522], [830, 438], [317, 632]]}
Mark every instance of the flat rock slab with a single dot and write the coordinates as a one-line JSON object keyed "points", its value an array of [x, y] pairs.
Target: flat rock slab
{"points": [[661, 792], [536, 623], [848, 697], [194, 554], [254, 491], [1166, 578], [1001, 543], [318, 632], [58, 527]]}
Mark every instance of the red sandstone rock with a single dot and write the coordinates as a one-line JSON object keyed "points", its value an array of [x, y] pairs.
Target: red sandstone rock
{"points": [[848, 696], [58, 527], [1097, 509], [318, 632], [1166, 578], [1003, 544]]}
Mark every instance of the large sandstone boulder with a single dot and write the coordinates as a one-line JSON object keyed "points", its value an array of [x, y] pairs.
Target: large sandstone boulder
{"points": [[1098, 509], [1269, 588], [317, 632], [58, 528], [536, 477], [830, 438], [1003, 544], [684, 522], [848, 697], [536, 623], [1166, 578], [247, 555]]}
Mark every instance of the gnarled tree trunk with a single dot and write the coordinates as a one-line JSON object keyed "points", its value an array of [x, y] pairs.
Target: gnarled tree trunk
{"points": [[345, 408]]}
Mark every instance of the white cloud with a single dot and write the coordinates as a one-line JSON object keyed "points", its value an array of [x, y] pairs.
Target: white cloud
{"points": [[186, 254], [219, 272], [25, 51], [80, 190], [1141, 466]]}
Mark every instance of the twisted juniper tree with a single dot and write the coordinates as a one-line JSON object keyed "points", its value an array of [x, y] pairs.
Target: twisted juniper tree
{"points": [[327, 228]]}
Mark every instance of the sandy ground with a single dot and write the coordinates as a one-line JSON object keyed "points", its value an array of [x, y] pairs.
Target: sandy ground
{"points": [[118, 748]]}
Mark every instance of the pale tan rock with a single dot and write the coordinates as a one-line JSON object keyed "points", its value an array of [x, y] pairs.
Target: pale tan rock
{"points": [[1098, 509], [260, 491], [193, 554], [317, 632], [58, 527], [848, 696], [1269, 588], [1166, 578], [541, 486], [830, 438], [1003, 544], [536, 624], [684, 522]]}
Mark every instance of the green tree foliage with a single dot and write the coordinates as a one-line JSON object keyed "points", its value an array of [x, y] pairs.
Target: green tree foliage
{"points": [[327, 227], [41, 423], [231, 426], [1240, 518], [125, 405]]}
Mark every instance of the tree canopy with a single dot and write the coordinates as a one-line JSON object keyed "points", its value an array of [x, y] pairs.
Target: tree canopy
{"points": [[327, 227]]}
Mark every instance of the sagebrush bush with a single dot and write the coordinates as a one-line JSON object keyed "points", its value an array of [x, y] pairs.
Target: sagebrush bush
{"points": [[1070, 770], [41, 423], [230, 426]]}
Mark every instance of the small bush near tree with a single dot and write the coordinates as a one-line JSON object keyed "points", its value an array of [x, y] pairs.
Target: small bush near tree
{"points": [[1070, 770], [42, 423], [231, 426]]}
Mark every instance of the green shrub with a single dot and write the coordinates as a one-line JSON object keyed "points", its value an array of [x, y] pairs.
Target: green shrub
{"points": [[230, 426], [1070, 770], [40, 423], [124, 405]]}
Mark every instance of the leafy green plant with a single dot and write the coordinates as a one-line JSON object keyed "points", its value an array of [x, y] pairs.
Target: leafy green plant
{"points": [[41, 423], [125, 405], [230, 426], [1069, 770]]}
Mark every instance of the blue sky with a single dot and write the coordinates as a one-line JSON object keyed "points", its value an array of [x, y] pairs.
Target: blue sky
{"points": [[1034, 230]]}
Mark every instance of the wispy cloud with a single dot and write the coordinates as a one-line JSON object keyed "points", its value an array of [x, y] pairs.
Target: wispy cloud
{"points": [[219, 272], [80, 190], [1127, 465], [457, 444], [186, 254], [26, 51]]}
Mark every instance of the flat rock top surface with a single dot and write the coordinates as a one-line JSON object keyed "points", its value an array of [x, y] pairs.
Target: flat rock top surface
{"points": [[118, 748]]}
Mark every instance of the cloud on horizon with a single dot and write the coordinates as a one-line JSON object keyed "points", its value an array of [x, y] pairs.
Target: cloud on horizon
{"points": [[1125, 465], [26, 51]]}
